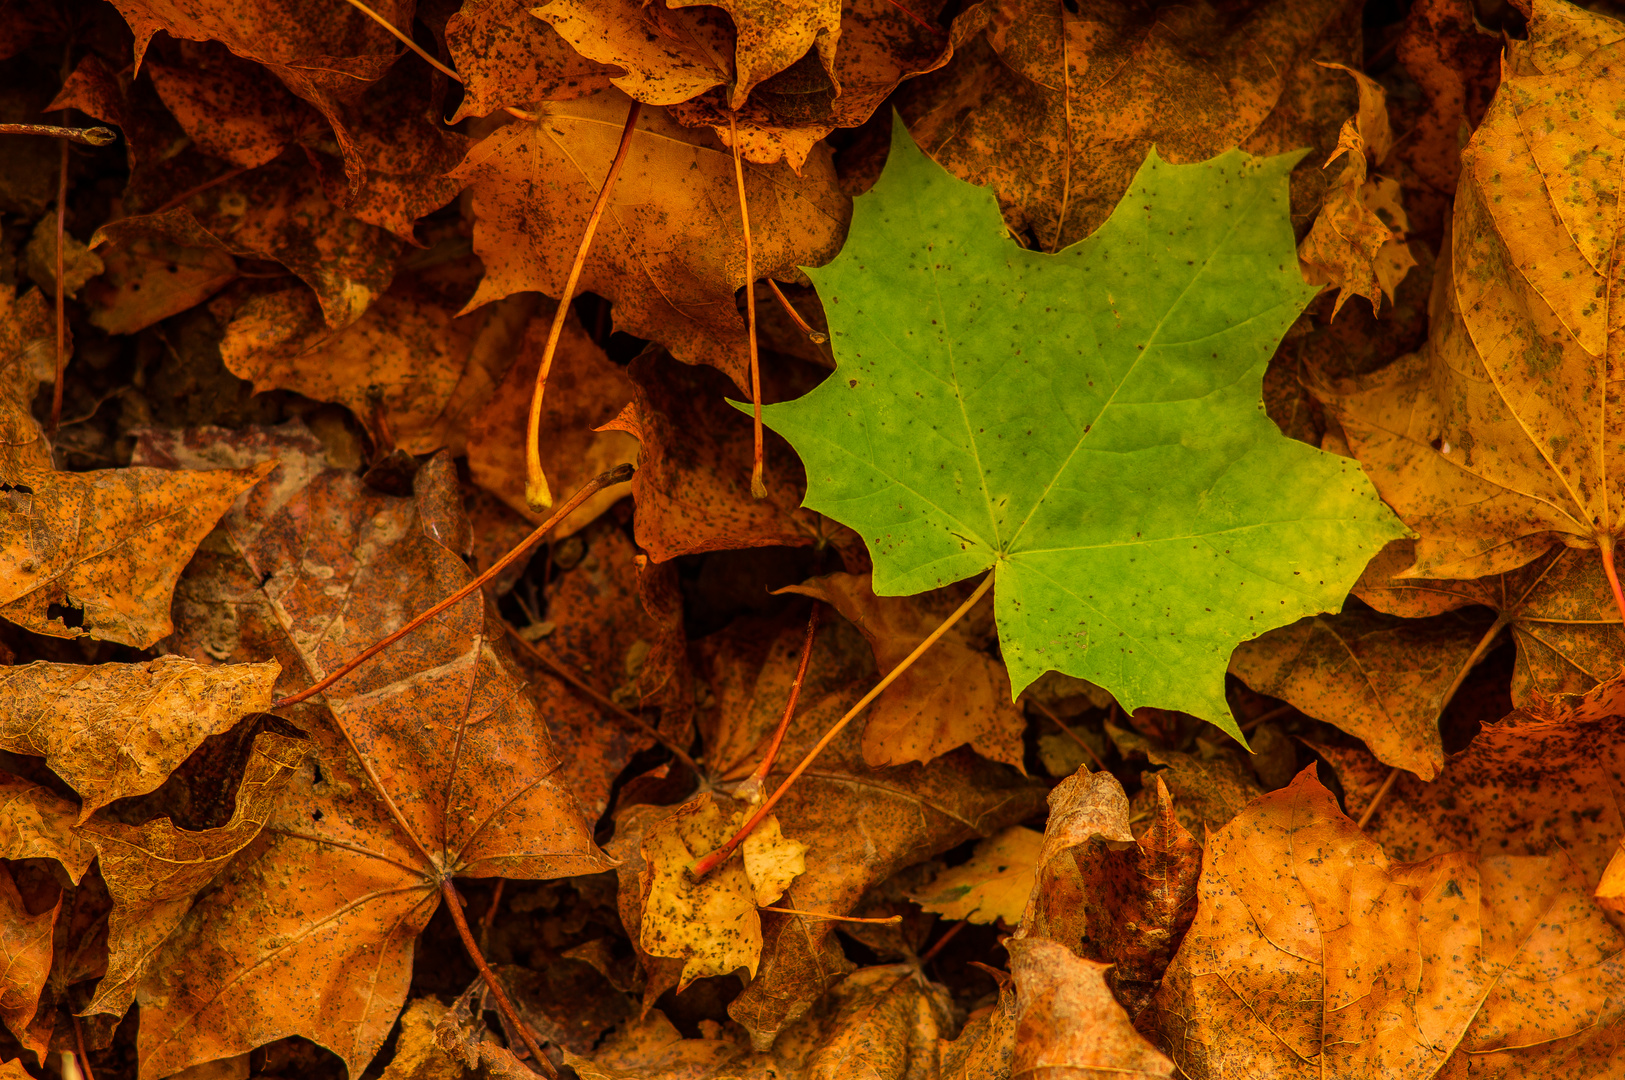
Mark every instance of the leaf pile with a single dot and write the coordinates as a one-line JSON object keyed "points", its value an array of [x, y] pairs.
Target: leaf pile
{"points": [[1290, 741]]}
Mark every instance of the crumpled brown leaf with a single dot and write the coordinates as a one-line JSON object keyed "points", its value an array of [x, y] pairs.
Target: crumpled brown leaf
{"points": [[860, 824], [1312, 952], [1068, 1025], [1381, 679], [954, 695], [1358, 241], [337, 881], [669, 253], [1106, 896], [97, 554], [114, 730], [1055, 109], [154, 871]]}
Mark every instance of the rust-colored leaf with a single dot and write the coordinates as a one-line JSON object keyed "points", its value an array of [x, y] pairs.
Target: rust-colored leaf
{"points": [[97, 554]]}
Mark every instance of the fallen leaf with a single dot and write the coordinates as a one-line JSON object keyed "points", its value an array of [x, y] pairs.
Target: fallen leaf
{"points": [[1306, 933], [694, 467], [1106, 896], [429, 371], [506, 58], [79, 263], [97, 554], [327, 62], [664, 56], [711, 923], [1055, 109], [348, 870], [860, 824], [1382, 679], [768, 39], [1493, 443], [115, 730], [994, 884], [150, 278], [1557, 608], [155, 870], [1456, 63], [1068, 1023], [1209, 787], [25, 956], [36, 823], [1358, 241], [669, 253], [277, 211], [954, 695], [958, 475], [24, 331], [584, 390]]}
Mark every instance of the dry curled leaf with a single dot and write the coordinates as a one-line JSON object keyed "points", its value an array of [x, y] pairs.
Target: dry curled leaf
{"points": [[97, 554], [115, 730], [1068, 1025]]}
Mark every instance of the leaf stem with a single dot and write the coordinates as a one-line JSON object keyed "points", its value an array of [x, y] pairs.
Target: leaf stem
{"points": [[1605, 544], [404, 40], [537, 493], [1371, 807], [710, 862], [79, 1039], [758, 779], [758, 488], [558, 668], [87, 136], [61, 291], [1075, 737], [931, 953], [586, 491], [889, 920], [455, 904], [806, 328]]}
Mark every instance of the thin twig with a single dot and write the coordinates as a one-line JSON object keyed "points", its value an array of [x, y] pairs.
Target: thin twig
{"points": [[710, 862], [455, 904], [1371, 807], [1045, 709], [229, 174], [61, 292], [757, 487], [537, 494], [404, 40], [614, 476], [806, 328], [1266, 717], [560, 669], [86, 136], [758, 779], [827, 917], [79, 1039]]}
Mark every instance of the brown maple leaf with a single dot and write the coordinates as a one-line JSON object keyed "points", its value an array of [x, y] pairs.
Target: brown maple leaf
{"points": [[505, 57], [429, 762]]}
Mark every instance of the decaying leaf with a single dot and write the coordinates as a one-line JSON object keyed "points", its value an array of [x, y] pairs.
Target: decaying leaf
{"points": [[1068, 1023], [1055, 108], [38, 824], [669, 253], [97, 554], [23, 345], [712, 923], [505, 58], [25, 955]]}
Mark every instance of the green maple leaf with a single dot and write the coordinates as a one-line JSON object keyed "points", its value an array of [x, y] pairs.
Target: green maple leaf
{"points": [[1087, 424]]}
